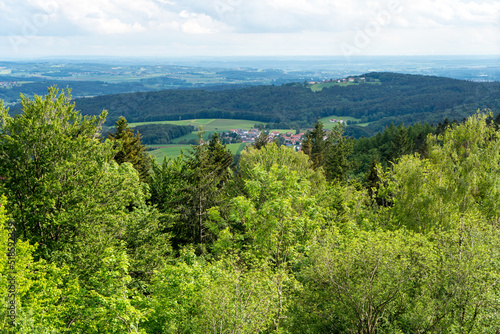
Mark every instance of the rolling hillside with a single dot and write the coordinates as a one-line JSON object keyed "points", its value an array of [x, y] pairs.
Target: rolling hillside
{"points": [[399, 98]]}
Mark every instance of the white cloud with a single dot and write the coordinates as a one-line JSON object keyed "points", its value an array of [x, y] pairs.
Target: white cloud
{"points": [[452, 12], [252, 27], [166, 2]]}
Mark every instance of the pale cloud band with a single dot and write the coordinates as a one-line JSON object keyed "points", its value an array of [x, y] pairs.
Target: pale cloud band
{"points": [[257, 27]]}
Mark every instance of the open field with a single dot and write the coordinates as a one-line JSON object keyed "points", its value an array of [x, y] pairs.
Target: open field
{"points": [[210, 124], [172, 151], [219, 125], [192, 135], [329, 126], [320, 86], [169, 151]]}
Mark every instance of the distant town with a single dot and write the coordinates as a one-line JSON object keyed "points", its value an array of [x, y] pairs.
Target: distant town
{"points": [[344, 80], [249, 136], [289, 138]]}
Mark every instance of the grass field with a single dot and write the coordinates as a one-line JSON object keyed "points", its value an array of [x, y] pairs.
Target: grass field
{"points": [[172, 151], [320, 86], [219, 125], [329, 126], [210, 124], [169, 151]]}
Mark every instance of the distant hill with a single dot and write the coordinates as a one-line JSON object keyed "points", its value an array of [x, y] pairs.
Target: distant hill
{"points": [[399, 98]]}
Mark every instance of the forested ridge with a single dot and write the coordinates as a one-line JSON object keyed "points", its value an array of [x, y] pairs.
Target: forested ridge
{"points": [[110, 241], [153, 134], [399, 98]]}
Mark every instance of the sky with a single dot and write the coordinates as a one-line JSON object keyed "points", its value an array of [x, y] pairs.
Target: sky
{"points": [[191, 28]]}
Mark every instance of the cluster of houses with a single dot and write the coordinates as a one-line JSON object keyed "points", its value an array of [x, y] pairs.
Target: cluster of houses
{"points": [[340, 121], [9, 84], [288, 138], [246, 136], [344, 80]]}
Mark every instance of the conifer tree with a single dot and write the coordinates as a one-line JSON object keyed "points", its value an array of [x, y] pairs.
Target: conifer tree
{"points": [[206, 173], [337, 152], [261, 140], [329, 152], [130, 148], [315, 145], [402, 144]]}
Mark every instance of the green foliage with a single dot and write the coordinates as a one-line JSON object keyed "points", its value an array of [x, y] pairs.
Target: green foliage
{"points": [[152, 134], [277, 211], [361, 282], [130, 148], [165, 181], [108, 306], [274, 222], [262, 140], [69, 196], [274, 249], [460, 176], [399, 98], [337, 162], [401, 282], [278, 214], [401, 145], [315, 145], [51, 160], [188, 186], [238, 300], [194, 296], [460, 292], [175, 294], [273, 154], [329, 152], [44, 293], [389, 145]]}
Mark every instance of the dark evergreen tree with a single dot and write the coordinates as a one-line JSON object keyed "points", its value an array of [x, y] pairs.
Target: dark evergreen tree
{"points": [[329, 152], [338, 150], [372, 182], [261, 140], [401, 144], [130, 148], [206, 174], [315, 145]]}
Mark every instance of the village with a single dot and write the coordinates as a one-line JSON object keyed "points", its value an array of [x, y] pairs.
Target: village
{"points": [[344, 80], [283, 138], [9, 84], [249, 136]]}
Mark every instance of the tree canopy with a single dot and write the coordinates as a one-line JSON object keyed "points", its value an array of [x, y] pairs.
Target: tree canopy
{"points": [[288, 242]]}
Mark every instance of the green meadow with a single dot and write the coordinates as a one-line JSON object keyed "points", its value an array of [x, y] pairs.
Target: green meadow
{"points": [[320, 86], [329, 126], [210, 124], [172, 151]]}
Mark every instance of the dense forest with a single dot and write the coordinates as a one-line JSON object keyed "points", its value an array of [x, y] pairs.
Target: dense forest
{"points": [[399, 98], [154, 134], [79, 88], [95, 237]]}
